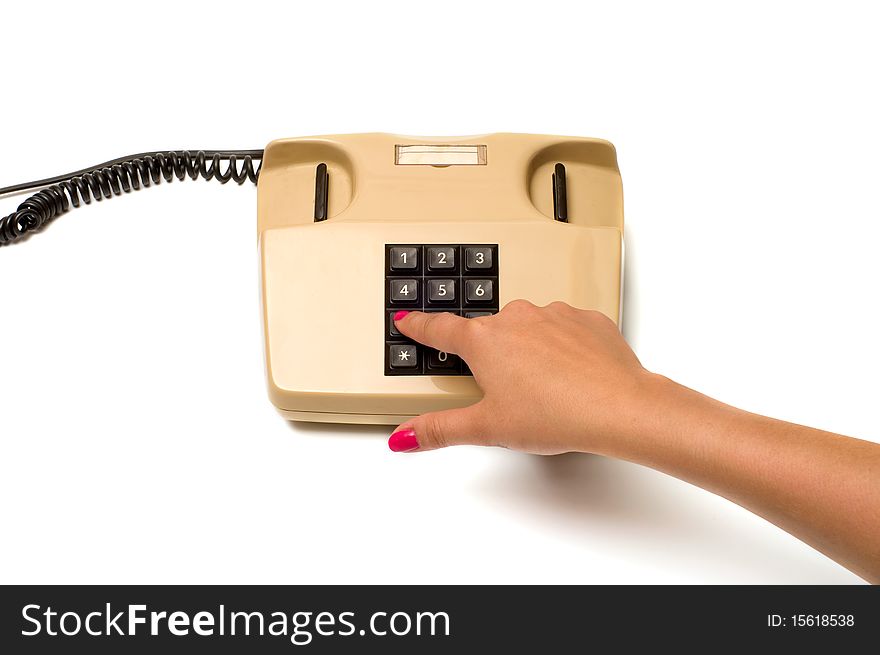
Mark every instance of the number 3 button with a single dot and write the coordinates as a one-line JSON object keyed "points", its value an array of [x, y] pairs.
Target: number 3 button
{"points": [[478, 258]]}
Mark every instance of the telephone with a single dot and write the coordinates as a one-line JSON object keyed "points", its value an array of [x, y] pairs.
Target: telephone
{"points": [[353, 228]]}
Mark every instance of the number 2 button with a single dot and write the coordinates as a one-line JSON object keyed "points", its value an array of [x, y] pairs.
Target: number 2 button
{"points": [[441, 259]]}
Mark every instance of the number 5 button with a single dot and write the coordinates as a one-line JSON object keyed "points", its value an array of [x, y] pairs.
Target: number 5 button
{"points": [[441, 290], [479, 292]]}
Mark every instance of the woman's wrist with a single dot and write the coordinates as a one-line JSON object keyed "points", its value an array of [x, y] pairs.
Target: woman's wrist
{"points": [[691, 436], [659, 418]]}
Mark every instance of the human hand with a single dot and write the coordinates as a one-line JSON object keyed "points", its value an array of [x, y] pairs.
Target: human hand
{"points": [[558, 379], [555, 379]]}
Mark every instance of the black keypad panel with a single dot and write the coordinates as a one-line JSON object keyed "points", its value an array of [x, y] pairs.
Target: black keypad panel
{"points": [[460, 279]]}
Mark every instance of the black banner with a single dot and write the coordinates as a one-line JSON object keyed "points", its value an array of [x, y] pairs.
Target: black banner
{"points": [[334, 619]]}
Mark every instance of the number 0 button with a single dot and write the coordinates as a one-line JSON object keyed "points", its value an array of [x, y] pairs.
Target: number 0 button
{"points": [[404, 291], [441, 360], [480, 292]]}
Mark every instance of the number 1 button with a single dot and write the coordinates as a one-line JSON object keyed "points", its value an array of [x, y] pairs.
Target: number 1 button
{"points": [[404, 259]]}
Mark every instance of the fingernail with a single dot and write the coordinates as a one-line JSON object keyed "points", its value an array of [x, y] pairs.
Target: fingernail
{"points": [[403, 441], [399, 315]]}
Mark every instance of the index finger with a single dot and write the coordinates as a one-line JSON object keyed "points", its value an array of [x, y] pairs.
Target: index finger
{"points": [[440, 330]]}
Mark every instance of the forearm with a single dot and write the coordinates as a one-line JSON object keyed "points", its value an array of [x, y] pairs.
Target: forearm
{"points": [[821, 487]]}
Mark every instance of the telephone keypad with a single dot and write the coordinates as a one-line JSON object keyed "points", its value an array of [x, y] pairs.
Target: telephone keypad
{"points": [[460, 279]]}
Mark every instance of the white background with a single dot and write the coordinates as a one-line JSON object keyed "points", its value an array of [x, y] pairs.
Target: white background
{"points": [[138, 444]]}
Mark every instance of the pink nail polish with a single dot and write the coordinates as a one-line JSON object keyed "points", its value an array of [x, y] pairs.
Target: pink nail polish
{"points": [[399, 315], [403, 441]]}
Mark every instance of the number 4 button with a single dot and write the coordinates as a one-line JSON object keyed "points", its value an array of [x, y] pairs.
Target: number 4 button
{"points": [[404, 291]]}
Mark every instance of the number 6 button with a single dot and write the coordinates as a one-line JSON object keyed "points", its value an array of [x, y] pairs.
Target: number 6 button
{"points": [[479, 292]]}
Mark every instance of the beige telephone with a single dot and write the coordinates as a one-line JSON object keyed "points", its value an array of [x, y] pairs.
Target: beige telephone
{"points": [[353, 228], [462, 225]]}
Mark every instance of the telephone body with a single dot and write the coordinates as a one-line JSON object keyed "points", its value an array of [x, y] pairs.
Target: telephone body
{"points": [[355, 227]]}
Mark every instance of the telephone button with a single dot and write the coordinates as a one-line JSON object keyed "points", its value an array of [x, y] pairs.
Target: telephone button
{"points": [[404, 258], [441, 258], [478, 258], [441, 291], [404, 291], [479, 292], [442, 361], [403, 356], [392, 331]]}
